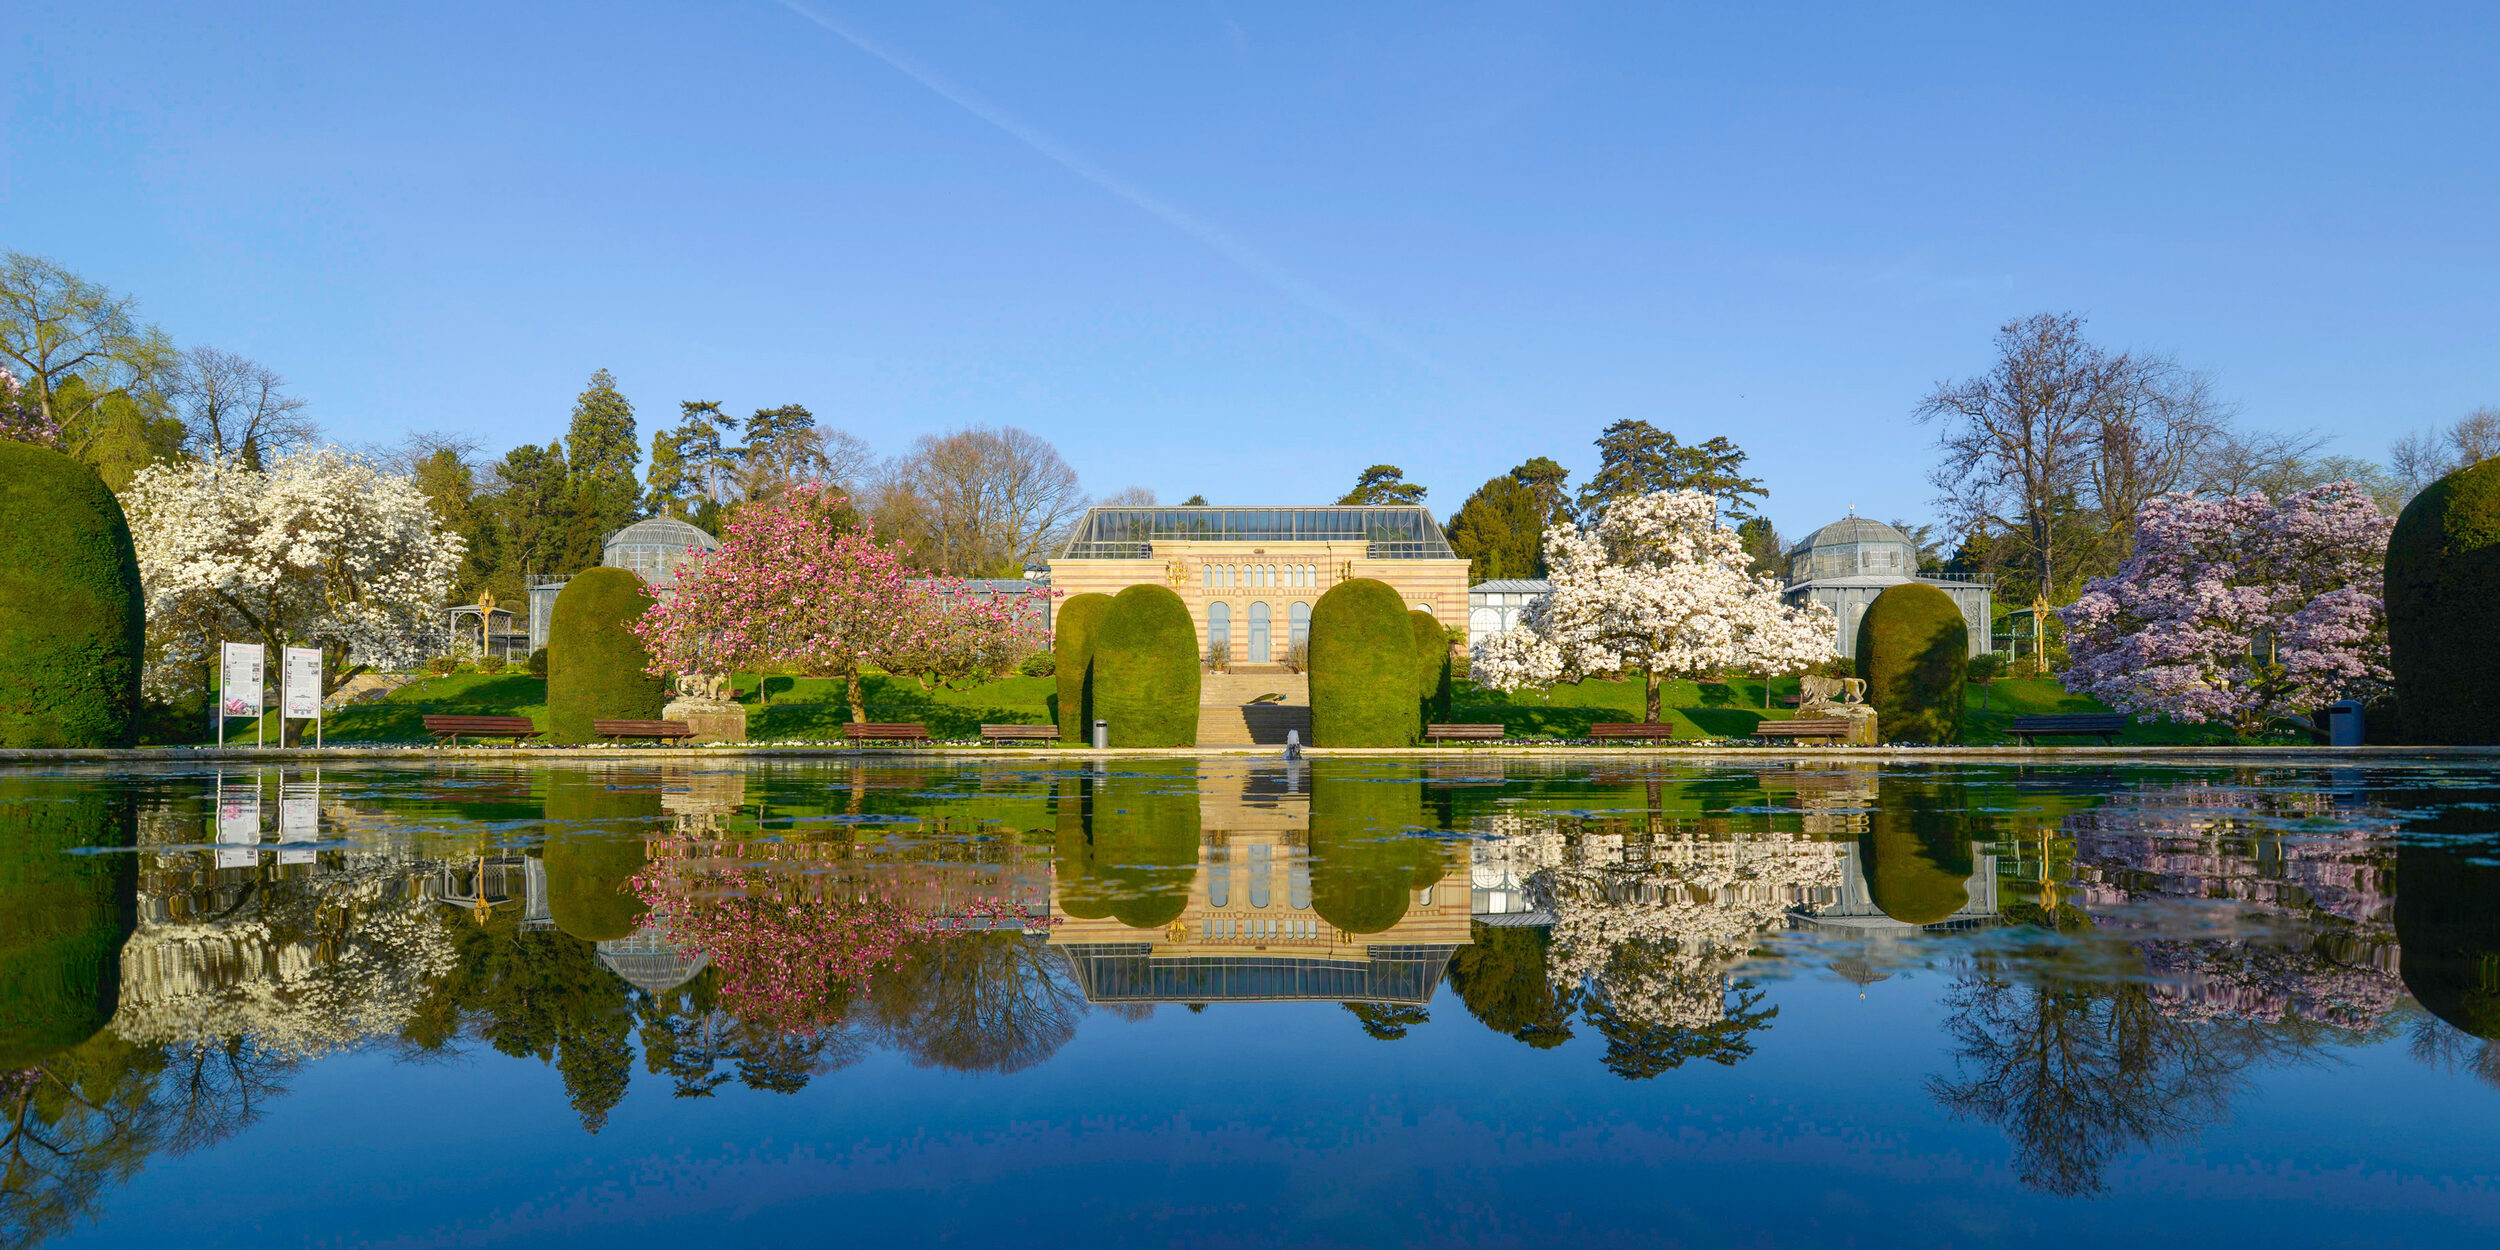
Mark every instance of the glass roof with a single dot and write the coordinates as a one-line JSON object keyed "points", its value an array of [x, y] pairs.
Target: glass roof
{"points": [[1401, 533]]}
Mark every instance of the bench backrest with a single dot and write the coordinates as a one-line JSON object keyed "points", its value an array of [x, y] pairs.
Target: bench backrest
{"points": [[482, 724], [1019, 731], [887, 729]]}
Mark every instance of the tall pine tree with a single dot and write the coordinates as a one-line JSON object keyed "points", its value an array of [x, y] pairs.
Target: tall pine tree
{"points": [[1637, 458], [1497, 530], [600, 451]]}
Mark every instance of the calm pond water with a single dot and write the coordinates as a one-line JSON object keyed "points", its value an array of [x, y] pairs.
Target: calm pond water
{"points": [[1237, 1004]]}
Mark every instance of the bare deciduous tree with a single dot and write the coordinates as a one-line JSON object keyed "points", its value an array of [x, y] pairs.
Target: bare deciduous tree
{"points": [[1127, 497], [979, 501], [229, 402], [2425, 456], [74, 343]]}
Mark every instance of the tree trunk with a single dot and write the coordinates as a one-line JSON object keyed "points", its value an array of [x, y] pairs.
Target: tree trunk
{"points": [[859, 699], [1650, 675]]}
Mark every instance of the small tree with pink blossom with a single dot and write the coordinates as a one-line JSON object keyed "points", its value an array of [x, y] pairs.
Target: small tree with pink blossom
{"points": [[2238, 609], [966, 635], [785, 591]]}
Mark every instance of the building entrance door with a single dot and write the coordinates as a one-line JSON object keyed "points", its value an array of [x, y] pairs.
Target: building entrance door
{"points": [[1258, 634]]}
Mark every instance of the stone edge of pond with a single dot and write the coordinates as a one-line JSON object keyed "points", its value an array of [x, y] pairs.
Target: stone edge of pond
{"points": [[2061, 754]]}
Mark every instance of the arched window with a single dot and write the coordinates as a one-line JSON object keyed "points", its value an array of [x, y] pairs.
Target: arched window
{"points": [[1219, 624], [1424, 608], [1260, 652], [1298, 619], [1219, 876], [1260, 855], [1206, 576]]}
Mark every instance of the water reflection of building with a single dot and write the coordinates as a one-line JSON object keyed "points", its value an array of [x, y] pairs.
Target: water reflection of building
{"points": [[649, 962], [1853, 908], [1252, 926], [490, 882]]}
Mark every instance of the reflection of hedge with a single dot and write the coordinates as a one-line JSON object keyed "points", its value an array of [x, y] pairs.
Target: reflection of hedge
{"points": [[1367, 861], [72, 615], [1146, 669], [1432, 666], [2448, 935], [1914, 652], [63, 918], [1916, 852], [1362, 668], [596, 839], [1128, 844], [594, 664], [2443, 576], [1072, 650]]}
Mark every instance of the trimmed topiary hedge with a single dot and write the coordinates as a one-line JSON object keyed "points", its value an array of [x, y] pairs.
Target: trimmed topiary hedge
{"points": [[1072, 645], [1367, 861], [73, 617], [1128, 844], [1432, 667], [1145, 666], [63, 918], [597, 838], [1914, 653], [594, 663], [1363, 668], [2443, 641], [1916, 853]]}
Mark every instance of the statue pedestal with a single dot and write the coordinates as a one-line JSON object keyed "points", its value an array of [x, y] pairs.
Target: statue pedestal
{"points": [[712, 720], [1861, 720]]}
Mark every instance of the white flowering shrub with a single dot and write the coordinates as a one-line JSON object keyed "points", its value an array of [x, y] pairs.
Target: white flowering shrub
{"points": [[1656, 587], [319, 549]]}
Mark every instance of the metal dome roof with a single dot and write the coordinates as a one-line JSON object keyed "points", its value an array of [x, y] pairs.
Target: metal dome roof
{"points": [[647, 961], [1851, 529], [663, 531]]}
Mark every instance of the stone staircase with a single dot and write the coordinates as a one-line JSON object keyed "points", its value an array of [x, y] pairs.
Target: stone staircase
{"points": [[1227, 717]]}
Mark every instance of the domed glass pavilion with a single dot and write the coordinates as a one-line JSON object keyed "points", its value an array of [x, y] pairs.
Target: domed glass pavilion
{"points": [[652, 548], [1845, 564]]}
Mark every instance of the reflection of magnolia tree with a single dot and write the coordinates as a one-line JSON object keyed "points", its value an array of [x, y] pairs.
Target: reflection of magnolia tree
{"points": [[2077, 1070], [978, 1002], [686, 1036]]}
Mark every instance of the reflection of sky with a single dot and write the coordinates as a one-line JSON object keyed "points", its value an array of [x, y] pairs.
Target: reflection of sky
{"points": [[1283, 1124]]}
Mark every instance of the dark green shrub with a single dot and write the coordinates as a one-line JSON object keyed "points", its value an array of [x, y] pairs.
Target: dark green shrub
{"points": [[1916, 853], [73, 616], [594, 663], [538, 663], [1072, 655], [1432, 666], [1146, 670], [1128, 844], [1039, 664], [1363, 668], [597, 835], [63, 918], [441, 665], [2448, 931], [1914, 652], [2443, 638], [490, 663], [1367, 855]]}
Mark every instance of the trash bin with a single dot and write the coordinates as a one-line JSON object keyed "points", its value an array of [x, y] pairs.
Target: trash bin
{"points": [[1102, 735], [2343, 724]]}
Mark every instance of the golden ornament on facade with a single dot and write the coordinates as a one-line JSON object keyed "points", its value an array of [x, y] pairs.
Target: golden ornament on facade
{"points": [[1177, 571]]}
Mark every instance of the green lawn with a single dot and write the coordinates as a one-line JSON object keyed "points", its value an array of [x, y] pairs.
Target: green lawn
{"points": [[812, 709]]}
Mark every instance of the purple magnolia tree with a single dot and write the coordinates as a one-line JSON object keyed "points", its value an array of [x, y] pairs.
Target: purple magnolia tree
{"points": [[2237, 609]]}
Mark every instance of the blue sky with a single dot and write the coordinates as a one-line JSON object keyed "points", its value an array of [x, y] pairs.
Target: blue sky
{"points": [[1247, 250]]}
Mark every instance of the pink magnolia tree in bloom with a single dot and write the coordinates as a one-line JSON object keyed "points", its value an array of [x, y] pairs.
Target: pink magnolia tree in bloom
{"points": [[784, 591], [2238, 609]]}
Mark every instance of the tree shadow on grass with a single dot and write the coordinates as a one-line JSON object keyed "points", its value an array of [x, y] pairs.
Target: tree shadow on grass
{"points": [[1725, 722]]}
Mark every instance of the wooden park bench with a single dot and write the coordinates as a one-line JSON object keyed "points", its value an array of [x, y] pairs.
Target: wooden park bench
{"points": [[1835, 727], [1464, 733], [452, 728], [2103, 726], [1635, 730], [1019, 733], [886, 731], [662, 729]]}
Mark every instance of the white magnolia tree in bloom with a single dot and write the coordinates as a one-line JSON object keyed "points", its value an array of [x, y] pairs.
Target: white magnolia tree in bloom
{"points": [[319, 549], [1657, 587]]}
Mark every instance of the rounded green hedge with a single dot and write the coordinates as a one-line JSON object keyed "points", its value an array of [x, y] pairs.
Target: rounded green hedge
{"points": [[1363, 668], [2443, 640], [1072, 650], [1146, 670], [1128, 844], [1432, 666], [2448, 935], [597, 838], [73, 617], [1367, 858], [594, 663], [63, 918], [1914, 653]]}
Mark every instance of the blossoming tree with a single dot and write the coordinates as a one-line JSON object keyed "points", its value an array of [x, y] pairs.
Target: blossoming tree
{"points": [[318, 549], [1657, 587], [2238, 609], [785, 591]]}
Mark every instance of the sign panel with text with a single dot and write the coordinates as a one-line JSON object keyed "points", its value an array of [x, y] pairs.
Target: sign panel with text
{"points": [[303, 683], [239, 685]]}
